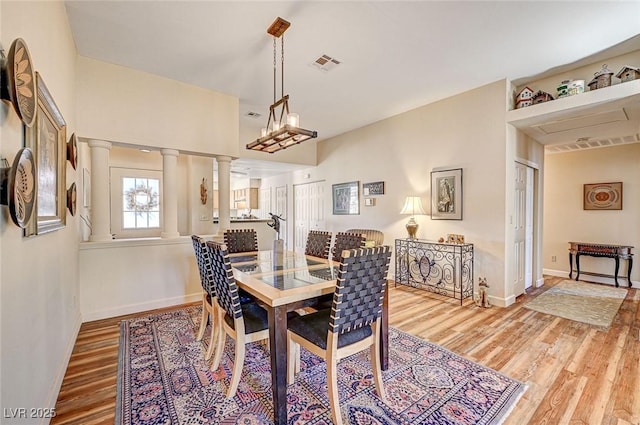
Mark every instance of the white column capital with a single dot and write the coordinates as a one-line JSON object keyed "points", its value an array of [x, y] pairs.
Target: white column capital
{"points": [[224, 158], [169, 152], [93, 143]]}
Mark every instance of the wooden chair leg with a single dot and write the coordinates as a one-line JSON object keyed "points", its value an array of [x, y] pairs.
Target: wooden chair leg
{"points": [[332, 385], [222, 336], [212, 339], [293, 350], [203, 317], [237, 367], [377, 371]]}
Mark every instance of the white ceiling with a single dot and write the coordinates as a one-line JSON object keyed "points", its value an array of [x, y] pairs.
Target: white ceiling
{"points": [[395, 55]]}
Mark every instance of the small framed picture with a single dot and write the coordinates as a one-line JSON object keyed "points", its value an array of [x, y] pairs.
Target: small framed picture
{"points": [[603, 196], [371, 189], [370, 202]]}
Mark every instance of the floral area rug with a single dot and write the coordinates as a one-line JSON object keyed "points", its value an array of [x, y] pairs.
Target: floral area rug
{"points": [[583, 302], [164, 379]]}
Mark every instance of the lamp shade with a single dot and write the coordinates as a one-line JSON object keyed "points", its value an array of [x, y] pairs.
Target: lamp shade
{"points": [[413, 206]]}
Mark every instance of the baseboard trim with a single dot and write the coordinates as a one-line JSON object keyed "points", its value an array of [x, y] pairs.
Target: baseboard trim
{"points": [[590, 278], [52, 398], [502, 302], [137, 308]]}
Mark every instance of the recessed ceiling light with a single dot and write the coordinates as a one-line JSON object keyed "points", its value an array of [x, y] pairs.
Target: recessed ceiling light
{"points": [[145, 150]]}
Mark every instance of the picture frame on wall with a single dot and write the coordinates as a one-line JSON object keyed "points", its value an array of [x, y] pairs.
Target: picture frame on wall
{"points": [[47, 138], [346, 199], [446, 194], [602, 196], [373, 189]]}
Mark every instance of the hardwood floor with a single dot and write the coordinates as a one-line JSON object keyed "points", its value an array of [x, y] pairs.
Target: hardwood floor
{"points": [[576, 373]]}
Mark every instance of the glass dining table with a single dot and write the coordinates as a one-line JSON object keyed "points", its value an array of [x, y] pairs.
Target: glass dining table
{"points": [[281, 283]]}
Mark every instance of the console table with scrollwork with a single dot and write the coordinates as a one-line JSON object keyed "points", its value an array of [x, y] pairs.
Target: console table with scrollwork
{"points": [[617, 252], [438, 267]]}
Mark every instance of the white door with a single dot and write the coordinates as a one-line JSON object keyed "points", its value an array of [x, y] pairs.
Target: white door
{"points": [[281, 210], [308, 212], [301, 216], [265, 203], [523, 228]]}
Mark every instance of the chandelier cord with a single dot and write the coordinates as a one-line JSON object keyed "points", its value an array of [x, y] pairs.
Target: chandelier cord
{"points": [[282, 66], [274, 70]]}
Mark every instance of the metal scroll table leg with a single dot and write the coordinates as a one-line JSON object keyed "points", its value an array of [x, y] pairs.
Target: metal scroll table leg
{"points": [[629, 266], [615, 275], [577, 266]]}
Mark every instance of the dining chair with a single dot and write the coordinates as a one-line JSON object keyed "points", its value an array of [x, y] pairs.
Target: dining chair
{"points": [[318, 243], [351, 325], [203, 260], [244, 323], [346, 240], [241, 240]]}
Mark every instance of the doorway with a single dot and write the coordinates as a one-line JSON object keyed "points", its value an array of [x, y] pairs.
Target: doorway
{"points": [[308, 212], [523, 227]]}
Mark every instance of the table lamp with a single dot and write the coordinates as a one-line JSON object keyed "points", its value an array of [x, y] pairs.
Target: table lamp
{"points": [[412, 206]]}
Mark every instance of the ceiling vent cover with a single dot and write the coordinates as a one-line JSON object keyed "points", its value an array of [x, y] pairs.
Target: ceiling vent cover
{"points": [[325, 63], [253, 114]]}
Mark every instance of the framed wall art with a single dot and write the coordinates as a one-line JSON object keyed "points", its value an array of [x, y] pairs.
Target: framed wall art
{"points": [[47, 138], [372, 189], [345, 198], [603, 196], [446, 194]]}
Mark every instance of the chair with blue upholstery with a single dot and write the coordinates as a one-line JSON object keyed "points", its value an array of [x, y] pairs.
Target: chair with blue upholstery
{"points": [[346, 240], [244, 323], [351, 325], [241, 240], [208, 294], [318, 244]]}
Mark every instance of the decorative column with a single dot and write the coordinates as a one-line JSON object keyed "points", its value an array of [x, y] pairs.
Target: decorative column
{"points": [[100, 212], [169, 194], [224, 192]]}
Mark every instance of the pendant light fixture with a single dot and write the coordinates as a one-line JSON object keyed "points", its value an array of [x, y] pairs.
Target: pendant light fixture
{"points": [[282, 128]]}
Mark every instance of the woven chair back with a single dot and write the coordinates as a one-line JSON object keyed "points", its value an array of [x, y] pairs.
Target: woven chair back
{"points": [[362, 280], [346, 240], [241, 240], [223, 280], [203, 259], [318, 243]]}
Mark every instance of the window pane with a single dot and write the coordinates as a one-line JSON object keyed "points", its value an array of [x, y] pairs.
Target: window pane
{"points": [[154, 219], [128, 220]]}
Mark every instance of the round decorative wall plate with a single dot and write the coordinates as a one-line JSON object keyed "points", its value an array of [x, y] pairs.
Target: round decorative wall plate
{"points": [[22, 82], [22, 187], [71, 199], [72, 150]]}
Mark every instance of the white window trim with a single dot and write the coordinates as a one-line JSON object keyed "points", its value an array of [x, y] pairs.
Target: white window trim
{"points": [[116, 175]]}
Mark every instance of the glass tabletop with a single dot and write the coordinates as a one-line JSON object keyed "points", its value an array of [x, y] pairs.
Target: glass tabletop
{"points": [[299, 278], [254, 264]]}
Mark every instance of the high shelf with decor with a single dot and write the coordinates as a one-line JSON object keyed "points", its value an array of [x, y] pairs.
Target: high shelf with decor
{"points": [[438, 267]]}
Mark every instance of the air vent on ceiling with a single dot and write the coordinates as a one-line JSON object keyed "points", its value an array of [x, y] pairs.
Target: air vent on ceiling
{"points": [[325, 63], [253, 114], [586, 143]]}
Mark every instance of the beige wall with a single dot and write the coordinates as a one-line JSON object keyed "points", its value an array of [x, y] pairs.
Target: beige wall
{"points": [[39, 281], [565, 220], [123, 105], [465, 131]]}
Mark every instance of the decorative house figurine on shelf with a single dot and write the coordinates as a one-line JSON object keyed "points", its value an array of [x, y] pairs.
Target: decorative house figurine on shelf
{"points": [[541, 97], [601, 78], [570, 88], [628, 73], [524, 98]]}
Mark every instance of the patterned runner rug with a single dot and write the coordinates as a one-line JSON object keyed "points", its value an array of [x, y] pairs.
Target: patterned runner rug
{"points": [[583, 302], [164, 379]]}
